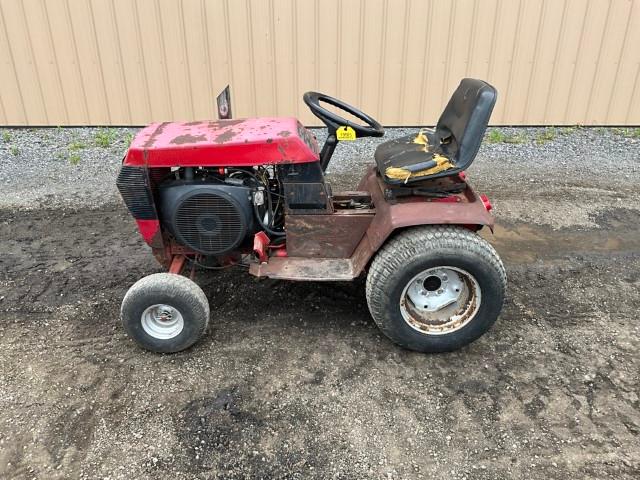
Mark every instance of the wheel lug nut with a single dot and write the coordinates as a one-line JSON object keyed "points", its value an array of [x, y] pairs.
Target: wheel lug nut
{"points": [[440, 292]]}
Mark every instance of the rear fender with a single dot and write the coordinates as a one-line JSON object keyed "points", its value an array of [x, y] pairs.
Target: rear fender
{"points": [[466, 209]]}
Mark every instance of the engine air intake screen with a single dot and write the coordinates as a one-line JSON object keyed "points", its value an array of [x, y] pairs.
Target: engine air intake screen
{"points": [[209, 223]]}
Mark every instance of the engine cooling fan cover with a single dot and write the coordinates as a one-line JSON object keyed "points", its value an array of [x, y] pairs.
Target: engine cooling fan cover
{"points": [[210, 219]]}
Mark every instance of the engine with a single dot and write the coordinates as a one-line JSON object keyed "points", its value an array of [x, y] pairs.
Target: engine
{"points": [[215, 213]]}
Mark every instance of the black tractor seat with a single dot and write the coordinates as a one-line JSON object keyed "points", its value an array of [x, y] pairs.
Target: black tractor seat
{"points": [[449, 148]]}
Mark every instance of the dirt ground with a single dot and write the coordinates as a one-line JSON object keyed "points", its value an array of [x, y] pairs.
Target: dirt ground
{"points": [[295, 381]]}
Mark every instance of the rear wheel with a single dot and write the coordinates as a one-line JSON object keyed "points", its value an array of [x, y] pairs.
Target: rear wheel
{"points": [[165, 312], [436, 289]]}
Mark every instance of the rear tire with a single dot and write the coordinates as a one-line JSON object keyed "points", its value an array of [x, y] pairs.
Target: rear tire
{"points": [[435, 288], [165, 312]]}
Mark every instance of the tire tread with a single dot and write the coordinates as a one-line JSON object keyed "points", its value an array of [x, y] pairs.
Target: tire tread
{"points": [[408, 244], [175, 286]]}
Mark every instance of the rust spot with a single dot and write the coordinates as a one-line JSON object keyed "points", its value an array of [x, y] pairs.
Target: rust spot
{"points": [[152, 139], [225, 137], [269, 140], [192, 124], [224, 123], [284, 133], [182, 139]]}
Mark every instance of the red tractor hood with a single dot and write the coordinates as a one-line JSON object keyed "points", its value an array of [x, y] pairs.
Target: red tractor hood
{"points": [[244, 142]]}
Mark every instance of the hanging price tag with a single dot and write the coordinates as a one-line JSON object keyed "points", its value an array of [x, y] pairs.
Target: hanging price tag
{"points": [[345, 133]]}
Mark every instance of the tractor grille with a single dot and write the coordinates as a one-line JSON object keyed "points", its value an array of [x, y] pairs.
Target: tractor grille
{"points": [[136, 193], [210, 223]]}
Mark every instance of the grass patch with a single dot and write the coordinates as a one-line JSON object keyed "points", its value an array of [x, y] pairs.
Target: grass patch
{"points": [[627, 132], [547, 135], [105, 137], [76, 145], [515, 139], [568, 130], [74, 158], [15, 151], [128, 138], [495, 136], [74, 151], [6, 136]]}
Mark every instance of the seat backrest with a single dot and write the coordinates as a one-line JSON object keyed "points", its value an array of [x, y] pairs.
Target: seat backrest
{"points": [[464, 120]]}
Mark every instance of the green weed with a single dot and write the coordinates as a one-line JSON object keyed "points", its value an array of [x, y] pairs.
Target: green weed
{"points": [[74, 158], [495, 136], [568, 130], [128, 138], [547, 135], [14, 150], [627, 132], [104, 137], [76, 145], [515, 139], [6, 136]]}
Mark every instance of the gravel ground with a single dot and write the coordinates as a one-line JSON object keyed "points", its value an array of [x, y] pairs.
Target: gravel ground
{"points": [[294, 380], [66, 168]]}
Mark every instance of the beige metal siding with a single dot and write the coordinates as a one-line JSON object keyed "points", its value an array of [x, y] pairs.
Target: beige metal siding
{"points": [[123, 62]]}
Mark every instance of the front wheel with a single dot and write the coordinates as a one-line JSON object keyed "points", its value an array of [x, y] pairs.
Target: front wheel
{"points": [[165, 312], [436, 288]]}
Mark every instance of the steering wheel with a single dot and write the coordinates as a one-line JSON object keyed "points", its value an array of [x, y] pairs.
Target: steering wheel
{"points": [[333, 121]]}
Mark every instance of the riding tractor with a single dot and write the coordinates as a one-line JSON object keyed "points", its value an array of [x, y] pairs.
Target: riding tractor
{"points": [[252, 192]]}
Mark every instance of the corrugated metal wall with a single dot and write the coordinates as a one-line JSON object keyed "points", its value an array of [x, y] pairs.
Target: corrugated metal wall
{"points": [[124, 62]]}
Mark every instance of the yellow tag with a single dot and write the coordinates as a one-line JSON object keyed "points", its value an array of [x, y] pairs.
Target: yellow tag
{"points": [[345, 133]]}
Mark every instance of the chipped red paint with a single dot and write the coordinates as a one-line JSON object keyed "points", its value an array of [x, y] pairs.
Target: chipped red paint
{"points": [[466, 209], [149, 134], [225, 137], [248, 142], [188, 138], [305, 264], [177, 262]]}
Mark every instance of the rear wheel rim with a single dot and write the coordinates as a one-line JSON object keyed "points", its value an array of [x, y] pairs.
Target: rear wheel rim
{"points": [[162, 321], [440, 300]]}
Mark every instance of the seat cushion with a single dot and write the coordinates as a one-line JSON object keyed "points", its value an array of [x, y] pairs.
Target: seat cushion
{"points": [[405, 160]]}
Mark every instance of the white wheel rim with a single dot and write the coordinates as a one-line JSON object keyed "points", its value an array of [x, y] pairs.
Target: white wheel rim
{"points": [[440, 300], [162, 321]]}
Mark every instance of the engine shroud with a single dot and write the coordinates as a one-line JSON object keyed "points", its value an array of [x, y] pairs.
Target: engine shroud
{"points": [[210, 218]]}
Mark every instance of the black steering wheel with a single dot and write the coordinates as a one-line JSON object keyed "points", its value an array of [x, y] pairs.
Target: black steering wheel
{"points": [[333, 121]]}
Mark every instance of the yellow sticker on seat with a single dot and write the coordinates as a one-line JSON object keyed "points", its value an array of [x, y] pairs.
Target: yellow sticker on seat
{"points": [[345, 133]]}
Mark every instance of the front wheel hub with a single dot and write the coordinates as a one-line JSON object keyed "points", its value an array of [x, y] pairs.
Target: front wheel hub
{"points": [[162, 321], [440, 300]]}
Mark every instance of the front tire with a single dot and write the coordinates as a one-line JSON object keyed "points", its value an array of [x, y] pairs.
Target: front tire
{"points": [[436, 288], [165, 312]]}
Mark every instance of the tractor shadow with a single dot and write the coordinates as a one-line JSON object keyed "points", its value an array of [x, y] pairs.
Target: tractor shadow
{"points": [[238, 301]]}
